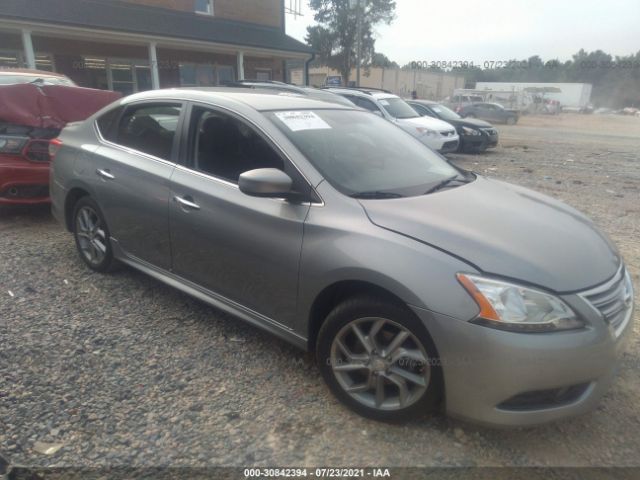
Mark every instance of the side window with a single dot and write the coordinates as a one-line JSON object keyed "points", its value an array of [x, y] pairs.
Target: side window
{"points": [[367, 104], [150, 128], [225, 147], [422, 110], [107, 124]]}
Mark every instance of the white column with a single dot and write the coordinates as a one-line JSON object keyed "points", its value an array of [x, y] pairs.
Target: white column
{"points": [[153, 63], [240, 65], [27, 46]]}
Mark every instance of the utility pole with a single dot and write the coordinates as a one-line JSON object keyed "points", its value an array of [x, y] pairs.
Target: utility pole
{"points": [[359, 41], [358, 5]]}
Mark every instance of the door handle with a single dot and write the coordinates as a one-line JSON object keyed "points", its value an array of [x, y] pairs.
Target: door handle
{"points": [[187, 203], [105, 174]]}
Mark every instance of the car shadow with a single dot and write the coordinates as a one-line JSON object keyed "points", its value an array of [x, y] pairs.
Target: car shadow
{"points": [[34, 212]]}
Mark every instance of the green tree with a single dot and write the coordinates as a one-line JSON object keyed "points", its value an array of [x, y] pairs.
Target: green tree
{"points": [[335, 36], [381, 60]]}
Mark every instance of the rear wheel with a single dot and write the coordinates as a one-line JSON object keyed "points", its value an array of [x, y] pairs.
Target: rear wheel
{"points": [[511, 120], [92, 235], [378, 359]]}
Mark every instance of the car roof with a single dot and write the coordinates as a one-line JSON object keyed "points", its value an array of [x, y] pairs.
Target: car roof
{"points": [[423, 102], [362, 92], [261, 100], [31, 73]]}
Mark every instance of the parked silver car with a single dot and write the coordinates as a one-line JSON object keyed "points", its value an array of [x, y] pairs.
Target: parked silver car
{"points": [[414, 282]]}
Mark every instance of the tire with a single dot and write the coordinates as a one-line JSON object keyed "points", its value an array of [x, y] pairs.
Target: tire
{"points": [[511, 120], [92, 236], [377, 377]]}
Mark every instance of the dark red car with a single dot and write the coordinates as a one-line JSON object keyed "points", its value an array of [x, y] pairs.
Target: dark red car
{"points": [[34, 107]]}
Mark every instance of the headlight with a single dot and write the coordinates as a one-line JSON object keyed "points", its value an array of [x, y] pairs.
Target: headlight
{"points": [[470, 131], [513, 307], [426, 131]]}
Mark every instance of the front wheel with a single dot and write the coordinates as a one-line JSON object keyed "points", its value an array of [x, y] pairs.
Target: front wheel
{"points": [[379, 360], [92, 235]]}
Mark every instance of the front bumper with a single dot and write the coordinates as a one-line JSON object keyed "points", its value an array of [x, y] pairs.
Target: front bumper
{"points": [[441, 143], [479, 142], [23, 182], [501, 378]]}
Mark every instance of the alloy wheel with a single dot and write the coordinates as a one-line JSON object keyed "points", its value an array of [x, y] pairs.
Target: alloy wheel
{"points": [[380, 364], [92, 238]]}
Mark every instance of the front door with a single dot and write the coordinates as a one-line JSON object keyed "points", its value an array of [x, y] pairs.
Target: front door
{"points": [[243, 248]]}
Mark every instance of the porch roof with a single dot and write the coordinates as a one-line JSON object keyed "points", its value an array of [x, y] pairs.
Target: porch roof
{"points": [[113, 15]]}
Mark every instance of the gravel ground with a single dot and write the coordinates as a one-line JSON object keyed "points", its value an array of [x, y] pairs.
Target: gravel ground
{"points": [[122, 370]]}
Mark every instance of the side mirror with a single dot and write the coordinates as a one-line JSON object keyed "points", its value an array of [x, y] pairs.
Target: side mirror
{"points": [[266, 182]]}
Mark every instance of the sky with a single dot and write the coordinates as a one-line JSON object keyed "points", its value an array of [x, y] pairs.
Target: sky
{"points": [[499, 30]]}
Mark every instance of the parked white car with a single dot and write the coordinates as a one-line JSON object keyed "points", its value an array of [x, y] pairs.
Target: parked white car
{"points": [[436, 134]]}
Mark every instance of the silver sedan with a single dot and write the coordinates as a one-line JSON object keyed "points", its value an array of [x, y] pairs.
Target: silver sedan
{"points": [[417, 284]]}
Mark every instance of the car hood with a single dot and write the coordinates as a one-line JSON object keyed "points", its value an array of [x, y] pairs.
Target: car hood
{"points": [[50, 106], [470, 122], [505, 230], [425, 122]]}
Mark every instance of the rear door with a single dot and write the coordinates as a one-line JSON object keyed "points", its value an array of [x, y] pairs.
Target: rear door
{"points": [[243, 248], [131, 172]]}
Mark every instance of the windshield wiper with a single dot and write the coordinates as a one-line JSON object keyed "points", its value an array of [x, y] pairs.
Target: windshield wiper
{"points": [[444, 183], [376, 195]]}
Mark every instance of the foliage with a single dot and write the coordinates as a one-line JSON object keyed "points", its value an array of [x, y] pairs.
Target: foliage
{"points": [[335, 36]]}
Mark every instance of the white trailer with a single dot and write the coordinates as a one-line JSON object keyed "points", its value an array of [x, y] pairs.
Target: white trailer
{"points": [[574, 95]]}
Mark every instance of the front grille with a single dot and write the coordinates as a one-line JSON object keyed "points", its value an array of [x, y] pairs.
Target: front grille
{"points": [[613, 300]]}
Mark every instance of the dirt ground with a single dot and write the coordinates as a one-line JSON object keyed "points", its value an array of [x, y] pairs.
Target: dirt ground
{"points": [[122, 370]]}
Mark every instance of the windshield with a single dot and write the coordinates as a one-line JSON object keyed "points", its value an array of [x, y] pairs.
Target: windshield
{"points": [[444, 112], [362, 154], [398, 108], [19, 79]]}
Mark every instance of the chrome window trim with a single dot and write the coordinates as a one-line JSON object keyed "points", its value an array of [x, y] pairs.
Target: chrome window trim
{"points": [[133, 151]]}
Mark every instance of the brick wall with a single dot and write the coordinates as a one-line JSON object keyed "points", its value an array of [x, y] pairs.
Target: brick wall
{"points": [[264, 12]]}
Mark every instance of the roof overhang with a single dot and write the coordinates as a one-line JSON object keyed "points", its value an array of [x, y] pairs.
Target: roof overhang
{"points": [[127, 38]]}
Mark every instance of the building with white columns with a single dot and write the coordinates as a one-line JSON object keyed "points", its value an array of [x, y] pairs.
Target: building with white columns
{"points": [[135, 45]]}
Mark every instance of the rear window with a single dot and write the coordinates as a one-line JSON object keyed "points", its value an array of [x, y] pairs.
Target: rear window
{"points": [[107, 122], [150, 128]]}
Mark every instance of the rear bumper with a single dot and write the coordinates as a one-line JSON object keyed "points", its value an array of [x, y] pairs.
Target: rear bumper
{"points": [[23, 182], [500, 378]]}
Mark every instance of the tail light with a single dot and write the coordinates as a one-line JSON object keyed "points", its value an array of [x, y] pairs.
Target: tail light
{"points": [[12, 145], [37, 151], [54, 146]]}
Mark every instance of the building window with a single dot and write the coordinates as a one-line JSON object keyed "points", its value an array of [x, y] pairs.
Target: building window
{"points": [[10, 59], [120, 75], [193, 75], [204, 7], [44, 62], [263, 75]]}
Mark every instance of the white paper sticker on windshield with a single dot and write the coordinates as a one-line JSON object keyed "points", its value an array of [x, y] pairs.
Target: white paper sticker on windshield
{"points": [[385, 102], [299, 121]]}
